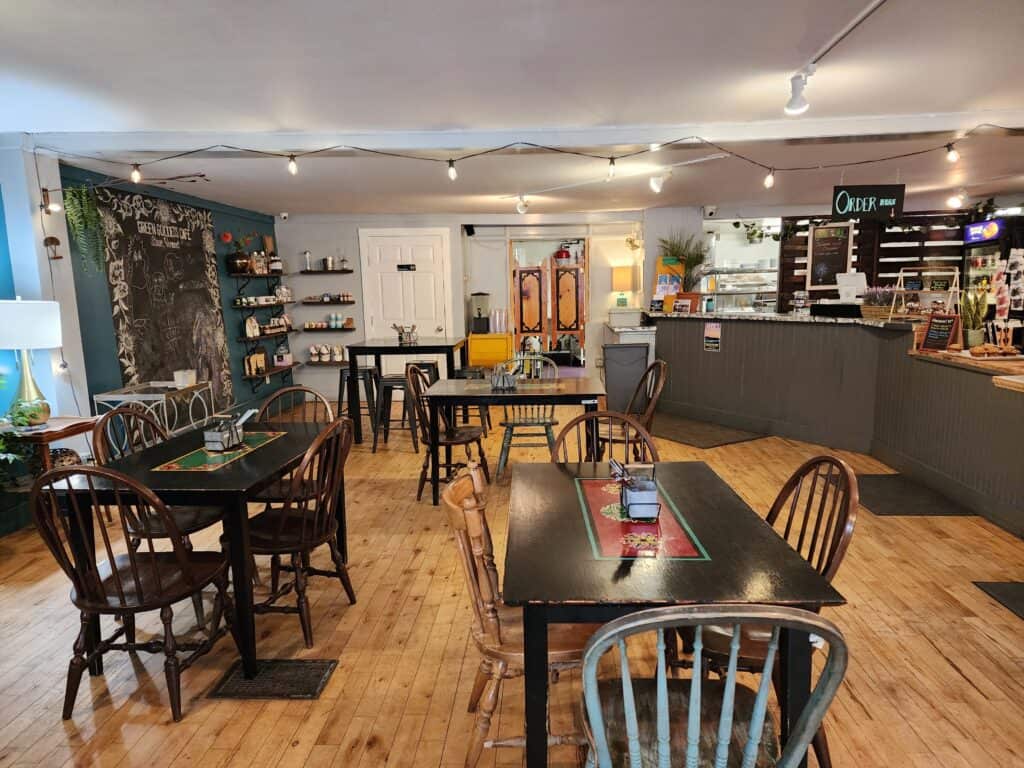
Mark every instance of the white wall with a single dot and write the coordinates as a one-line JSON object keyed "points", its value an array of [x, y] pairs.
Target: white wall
{"points": [[662, 222]]}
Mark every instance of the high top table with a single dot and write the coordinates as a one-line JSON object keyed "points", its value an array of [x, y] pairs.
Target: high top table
{"points": [[561, 569], [378, 348]]}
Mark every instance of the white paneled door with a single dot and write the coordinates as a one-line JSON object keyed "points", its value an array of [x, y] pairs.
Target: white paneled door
{"points": [[405, 277]]}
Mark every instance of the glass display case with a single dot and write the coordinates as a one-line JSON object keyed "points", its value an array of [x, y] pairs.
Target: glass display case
{"points": [[742, 269]]}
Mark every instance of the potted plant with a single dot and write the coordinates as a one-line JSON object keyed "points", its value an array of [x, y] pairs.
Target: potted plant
{"points": [[687, 254], [973, 307], [877, 303]]}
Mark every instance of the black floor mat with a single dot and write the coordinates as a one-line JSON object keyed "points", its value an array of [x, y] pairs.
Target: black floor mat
{"points": [[699, 434], [898, 495], [276, 679], [1009, 594]]}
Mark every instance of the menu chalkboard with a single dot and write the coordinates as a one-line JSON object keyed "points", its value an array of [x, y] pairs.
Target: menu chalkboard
{"points": [[828, 255], [940, 332]]}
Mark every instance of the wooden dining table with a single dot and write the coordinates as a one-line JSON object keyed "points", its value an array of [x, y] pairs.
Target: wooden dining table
{"points": [[230, 486], [566, 562]]}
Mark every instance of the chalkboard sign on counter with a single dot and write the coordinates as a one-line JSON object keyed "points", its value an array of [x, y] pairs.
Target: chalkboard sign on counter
{"points": [[829, 254], [940, 332]]}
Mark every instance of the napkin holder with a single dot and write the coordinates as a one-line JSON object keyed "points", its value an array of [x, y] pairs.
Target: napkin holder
{"points": [[638, 495], [222, 435], [502, 380]]}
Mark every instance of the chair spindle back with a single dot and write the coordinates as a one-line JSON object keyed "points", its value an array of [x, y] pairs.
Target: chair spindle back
{"points": [[123, 431], [531, 367], [291, 404], [602, 435], [647, 393], [417, 383]]}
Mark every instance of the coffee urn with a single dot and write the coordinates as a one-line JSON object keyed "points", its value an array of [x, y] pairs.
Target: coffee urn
{"points": [[479, 311]]}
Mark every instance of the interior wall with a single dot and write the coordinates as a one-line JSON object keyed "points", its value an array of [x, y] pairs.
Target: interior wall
{"points": [[8, 370], [663, 222]]}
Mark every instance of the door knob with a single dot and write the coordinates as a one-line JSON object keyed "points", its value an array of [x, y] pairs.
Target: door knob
{"points": [[439, 329]]}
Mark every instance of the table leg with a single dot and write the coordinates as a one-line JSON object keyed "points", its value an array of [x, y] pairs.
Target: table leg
{"points": [[339, 515], [535, 631], [353, 397], [236, 527], [435, 438], [592, 441], [44, 458], [449, 366], [795, 676]]}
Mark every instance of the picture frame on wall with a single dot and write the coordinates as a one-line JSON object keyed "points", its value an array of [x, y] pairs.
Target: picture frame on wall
{"points": [[829, 253]]}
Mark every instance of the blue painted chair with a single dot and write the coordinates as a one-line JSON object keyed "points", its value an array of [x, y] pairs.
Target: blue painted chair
{"points": [[526, 424], [700, 723]]}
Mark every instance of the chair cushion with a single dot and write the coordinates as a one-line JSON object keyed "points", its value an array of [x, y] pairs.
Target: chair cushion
{"points": [[161, 579], [187, 519], [645, 694], [268, 536]]}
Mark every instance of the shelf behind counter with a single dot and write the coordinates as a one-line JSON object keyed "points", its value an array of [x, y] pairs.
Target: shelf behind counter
{"points": [[850, 384]]}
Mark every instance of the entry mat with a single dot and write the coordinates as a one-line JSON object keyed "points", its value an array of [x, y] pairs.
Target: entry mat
{"points": [[202, 460], [614, 536], [1010, 594], [895, 495], [699, 434], [276, 679]]}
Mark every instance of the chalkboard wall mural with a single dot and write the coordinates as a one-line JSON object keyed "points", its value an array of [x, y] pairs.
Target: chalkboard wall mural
{"points": [[164, 292]]}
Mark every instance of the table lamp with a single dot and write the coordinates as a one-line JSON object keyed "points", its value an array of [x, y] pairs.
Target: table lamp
{"points": [[26, 325], [622, 281]]}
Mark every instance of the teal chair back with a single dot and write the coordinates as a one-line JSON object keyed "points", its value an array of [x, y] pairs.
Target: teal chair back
{"points": [[619, 718]]}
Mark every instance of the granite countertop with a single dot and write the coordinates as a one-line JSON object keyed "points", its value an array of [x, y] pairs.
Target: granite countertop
{"points": [[774, 317]]}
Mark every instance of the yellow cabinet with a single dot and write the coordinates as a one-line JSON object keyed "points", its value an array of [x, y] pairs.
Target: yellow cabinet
{"points": [[489, 349]]}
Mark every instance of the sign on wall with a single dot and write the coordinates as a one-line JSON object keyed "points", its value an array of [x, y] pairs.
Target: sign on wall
{"points": [[983, 231], [878, 202], [164, 291], [830, 253]]}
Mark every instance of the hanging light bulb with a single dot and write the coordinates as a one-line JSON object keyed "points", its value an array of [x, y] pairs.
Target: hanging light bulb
{"points": [[654, 147], [452, 173], [956, 200], [293, 167], [656, 183], [951, 154], [522, 205], [611, 169], [769, 180], [136, 175], [797, 103]]}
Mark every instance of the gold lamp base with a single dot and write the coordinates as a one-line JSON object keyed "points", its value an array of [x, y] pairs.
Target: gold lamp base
{"points": [[29, 398]]}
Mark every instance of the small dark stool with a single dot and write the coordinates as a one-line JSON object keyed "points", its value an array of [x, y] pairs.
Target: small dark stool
{"points": [[370, 376], [474, 372], [385, 396]]}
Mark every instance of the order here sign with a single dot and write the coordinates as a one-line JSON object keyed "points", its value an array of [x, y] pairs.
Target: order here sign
{"points": [[868, 201]]}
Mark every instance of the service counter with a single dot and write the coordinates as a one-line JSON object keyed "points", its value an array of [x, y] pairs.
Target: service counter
{"points": [[853, 384]]}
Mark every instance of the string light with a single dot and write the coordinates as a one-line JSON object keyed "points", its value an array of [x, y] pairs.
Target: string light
{"points": [[654, 147], [956, 200], [452, 173], [769, 180], [136, 175], [522, 205], [951, 154], [293, 167], [611, 169]]}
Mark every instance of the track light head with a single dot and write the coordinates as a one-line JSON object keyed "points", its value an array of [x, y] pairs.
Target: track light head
{"points": [[522, 205], [656, 183], [797, 103]]}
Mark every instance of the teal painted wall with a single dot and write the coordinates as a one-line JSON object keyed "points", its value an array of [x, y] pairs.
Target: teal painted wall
{"points": [[93, 295], [8, 372]]}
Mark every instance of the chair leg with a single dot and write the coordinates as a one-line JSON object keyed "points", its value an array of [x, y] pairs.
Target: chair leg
{"points": [[128, 620], [172, 668], [388, 401], [275, 573], [377, 421], [256, 578], [303, 602], [342, 570], [407, 406], [76, 668], [549, 433], [483, 674], [199, 608], [483, 460], [423, 476], [506, 444], [820, 744], [488, 703]]}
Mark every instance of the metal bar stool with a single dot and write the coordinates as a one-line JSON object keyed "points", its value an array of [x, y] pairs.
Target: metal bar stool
{"points": [[370, 376], [385, 398]]}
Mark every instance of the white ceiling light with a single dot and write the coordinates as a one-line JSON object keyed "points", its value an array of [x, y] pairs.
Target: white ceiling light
{"points": [[654, 147], [522, 205], [452, 173], [957, 199], [293, 167], [951, 154], [136, 176], [798, 103], [657, 182], [769, 180], [611, 169]]}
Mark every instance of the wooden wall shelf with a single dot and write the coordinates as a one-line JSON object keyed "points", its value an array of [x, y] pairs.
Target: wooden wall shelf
{"points": [[328, 330], [326, 303], [339, 271], [273, 372]]}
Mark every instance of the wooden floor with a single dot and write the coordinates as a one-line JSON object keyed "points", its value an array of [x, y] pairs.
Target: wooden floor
{"points": [[936, 675]]}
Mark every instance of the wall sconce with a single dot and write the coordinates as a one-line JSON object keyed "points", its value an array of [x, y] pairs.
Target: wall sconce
{"points": [[50, 243], [622, 281]]}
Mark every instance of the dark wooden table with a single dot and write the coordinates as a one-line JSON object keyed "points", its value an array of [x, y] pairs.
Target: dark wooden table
{"points": [[57, 428], [378, 348], [231, 487], [451, 393], [551, 571]]}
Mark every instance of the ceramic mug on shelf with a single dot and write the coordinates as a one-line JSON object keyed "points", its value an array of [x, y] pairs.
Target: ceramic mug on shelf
{"points": [[185, 378]]}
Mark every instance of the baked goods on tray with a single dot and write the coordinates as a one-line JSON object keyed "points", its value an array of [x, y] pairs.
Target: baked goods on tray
{"points": [[991, 350]]}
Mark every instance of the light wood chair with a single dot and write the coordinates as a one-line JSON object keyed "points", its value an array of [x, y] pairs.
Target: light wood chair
{"points": [[305, 521], [130, 580], [662, 721], [449, 435], [601, 435], [526, 424], [497, 628]]}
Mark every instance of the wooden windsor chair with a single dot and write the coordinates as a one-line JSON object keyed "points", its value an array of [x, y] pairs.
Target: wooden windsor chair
{"points": [[642, 722], [497, 628], [525, 425], [601, 435], [645, 397], [131, 579]]}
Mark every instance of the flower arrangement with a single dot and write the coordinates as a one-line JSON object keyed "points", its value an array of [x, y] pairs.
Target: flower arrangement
{"points": [[877, 303]]}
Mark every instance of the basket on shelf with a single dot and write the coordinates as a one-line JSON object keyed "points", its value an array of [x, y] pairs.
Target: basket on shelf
{"points": [[875, 313]]}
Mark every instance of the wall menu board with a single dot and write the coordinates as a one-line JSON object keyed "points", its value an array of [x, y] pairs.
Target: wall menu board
{"points": [[829, 253], [164, 290], [940, 332]]}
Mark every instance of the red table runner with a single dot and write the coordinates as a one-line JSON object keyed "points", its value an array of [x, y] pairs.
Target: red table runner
{"points": [[613, 536]]}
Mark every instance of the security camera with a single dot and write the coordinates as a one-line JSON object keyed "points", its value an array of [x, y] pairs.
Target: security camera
{"points": [[284, 216], [710, 211]]}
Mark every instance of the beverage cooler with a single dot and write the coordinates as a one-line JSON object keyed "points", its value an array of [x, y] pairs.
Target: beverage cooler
{"points": [[987, 246]]}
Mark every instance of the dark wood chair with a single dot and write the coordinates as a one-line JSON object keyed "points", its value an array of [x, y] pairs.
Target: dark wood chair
{"points": [[815, 512], [124, 431], [643, 402], [526, 424], [498, 628], [602, 435], [129, 580], [306, 520], [449, 435]]}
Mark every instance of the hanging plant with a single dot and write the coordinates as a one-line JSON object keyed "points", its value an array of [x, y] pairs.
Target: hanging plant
{"points": [[86, 227]]}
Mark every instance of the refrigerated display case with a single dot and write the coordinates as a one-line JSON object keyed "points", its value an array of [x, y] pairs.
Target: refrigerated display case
{"points": [[987, 246]]}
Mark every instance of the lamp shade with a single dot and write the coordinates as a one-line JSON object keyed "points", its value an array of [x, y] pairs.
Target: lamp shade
{"points": [[622, 279], [29, 325]]}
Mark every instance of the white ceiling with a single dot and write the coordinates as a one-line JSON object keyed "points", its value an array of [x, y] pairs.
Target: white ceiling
{"points": [[119, 79]]}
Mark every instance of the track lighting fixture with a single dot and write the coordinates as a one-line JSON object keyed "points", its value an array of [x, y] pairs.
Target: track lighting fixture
{"points": [[522, 205], [951, 154], [769, 180], [293, 167], [452, 173], [798, 103], [136, 175]]}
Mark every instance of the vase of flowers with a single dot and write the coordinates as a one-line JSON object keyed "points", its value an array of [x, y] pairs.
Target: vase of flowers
{"points": [[877, 304]]}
